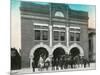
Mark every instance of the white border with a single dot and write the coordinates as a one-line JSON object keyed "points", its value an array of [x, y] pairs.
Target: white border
{"points": [[5, 36]]}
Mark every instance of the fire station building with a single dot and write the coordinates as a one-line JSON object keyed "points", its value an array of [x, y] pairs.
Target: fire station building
{"points": [[52, 29]]}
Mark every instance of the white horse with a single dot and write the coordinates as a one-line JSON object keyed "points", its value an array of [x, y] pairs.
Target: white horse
{"points": [[41, 63]]}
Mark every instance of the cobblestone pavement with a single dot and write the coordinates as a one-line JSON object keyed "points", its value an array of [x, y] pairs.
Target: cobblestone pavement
{"points": [[29, 70]]}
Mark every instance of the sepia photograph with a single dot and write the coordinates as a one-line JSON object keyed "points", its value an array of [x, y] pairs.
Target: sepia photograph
{"points": [[52, 37]]}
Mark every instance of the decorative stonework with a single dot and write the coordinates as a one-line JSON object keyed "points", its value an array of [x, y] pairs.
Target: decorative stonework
{"points": [[60, 45], [38, 46]]}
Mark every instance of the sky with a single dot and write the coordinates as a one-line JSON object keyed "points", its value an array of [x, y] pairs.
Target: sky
{"points": [[16, 23]]}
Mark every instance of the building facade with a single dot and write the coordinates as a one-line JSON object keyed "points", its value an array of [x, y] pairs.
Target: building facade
{"points": [[92, 44], [52, 29]]}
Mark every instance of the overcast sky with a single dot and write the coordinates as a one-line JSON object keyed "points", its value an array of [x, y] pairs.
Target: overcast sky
{"points": [[15, 20]]}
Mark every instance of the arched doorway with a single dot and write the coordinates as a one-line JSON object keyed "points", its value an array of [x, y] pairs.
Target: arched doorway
{"points": [[58, 52], [74, 52], [57, 59], [35, 49], [40, 52], [77, 47]]}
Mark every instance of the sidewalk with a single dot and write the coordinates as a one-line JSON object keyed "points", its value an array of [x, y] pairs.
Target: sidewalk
{"points": [[29, 70]]}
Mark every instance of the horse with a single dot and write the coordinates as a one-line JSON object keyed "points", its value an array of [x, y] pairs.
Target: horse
{"points": [[69, 62], [41, 63], [53, 64], [47, 63], [66, 61], [61, 62], [77, 61], [57, 63], [85, 62]]}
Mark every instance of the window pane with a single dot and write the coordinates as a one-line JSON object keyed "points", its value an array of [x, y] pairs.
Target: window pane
{"points": [[45, 35], [77, 36], [56, 35], [37, 34], [62, 36], [71, 36]]}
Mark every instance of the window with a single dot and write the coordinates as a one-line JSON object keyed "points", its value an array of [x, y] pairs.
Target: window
{"points": [[41, 35], [40, 31], [45, 35], [62, 36], [77, 36], [37, 34], [59, 36], [59, 32], [74, 34], [59, 14], [71, 36], [56, 35]]}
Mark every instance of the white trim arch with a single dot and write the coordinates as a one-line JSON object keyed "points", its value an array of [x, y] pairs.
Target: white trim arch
{"points": [[60, 45], [34, 49], [38, 46], [77, 46]]}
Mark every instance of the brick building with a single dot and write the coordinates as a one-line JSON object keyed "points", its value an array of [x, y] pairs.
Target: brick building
{"points": [[52, 29]]}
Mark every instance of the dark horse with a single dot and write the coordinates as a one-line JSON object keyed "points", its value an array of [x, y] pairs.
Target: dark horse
{"points": [[69, 62], [85, 62], [55, 63], [79, 60]]}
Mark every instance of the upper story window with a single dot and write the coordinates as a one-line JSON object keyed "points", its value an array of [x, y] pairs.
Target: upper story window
{"points": [[56, 35], [37, 34], [77, 36], [59, 33], [62, 36], [71, 36], [40, 31], [59, 14], [74, 33], [45, 35]]}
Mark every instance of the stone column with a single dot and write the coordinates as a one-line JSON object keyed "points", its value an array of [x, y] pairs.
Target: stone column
{"points": [[67, 36], [50, 28]]}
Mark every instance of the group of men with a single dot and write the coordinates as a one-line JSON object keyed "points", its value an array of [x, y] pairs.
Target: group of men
{"points": [[60, 62]]}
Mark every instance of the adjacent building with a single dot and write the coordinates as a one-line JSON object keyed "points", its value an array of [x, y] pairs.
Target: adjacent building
{"points": [[92, 44]]}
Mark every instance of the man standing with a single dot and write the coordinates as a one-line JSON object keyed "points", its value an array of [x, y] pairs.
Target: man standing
{"points": [[33, 65]]}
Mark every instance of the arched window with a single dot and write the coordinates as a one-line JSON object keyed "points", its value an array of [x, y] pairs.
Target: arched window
{"points": [[59, 14]]}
